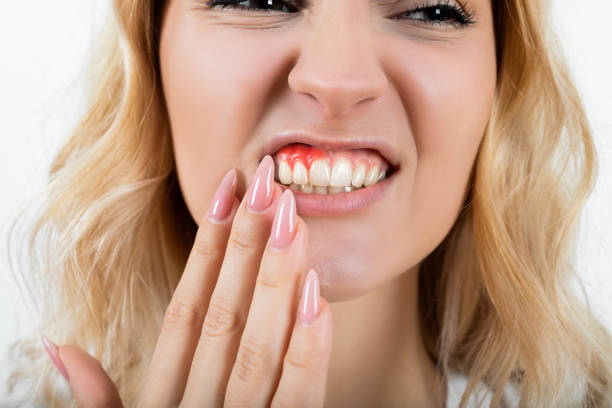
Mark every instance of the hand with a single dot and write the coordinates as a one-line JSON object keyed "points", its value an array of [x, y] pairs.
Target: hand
{"points": [[233, 333]]}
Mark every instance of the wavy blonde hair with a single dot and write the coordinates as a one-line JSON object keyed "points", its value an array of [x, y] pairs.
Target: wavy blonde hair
{"points": [[496, 302]]}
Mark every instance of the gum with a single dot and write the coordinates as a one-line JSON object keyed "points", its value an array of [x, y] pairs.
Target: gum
{"points": [[307, 154]]}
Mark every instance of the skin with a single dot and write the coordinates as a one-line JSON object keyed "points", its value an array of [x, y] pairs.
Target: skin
{"points": [[429, 92], [232, 79]]}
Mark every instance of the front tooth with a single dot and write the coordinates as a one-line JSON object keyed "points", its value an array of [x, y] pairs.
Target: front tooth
{"points": [[341, 173], [294, 186], [320, 190], [284, 172], [300, 174], [359, 176], [306, 188], [335, 190], [372, 176], [319, 173]]}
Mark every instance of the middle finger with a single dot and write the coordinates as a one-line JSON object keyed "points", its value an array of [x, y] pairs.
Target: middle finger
{"points": [[229, 303]]}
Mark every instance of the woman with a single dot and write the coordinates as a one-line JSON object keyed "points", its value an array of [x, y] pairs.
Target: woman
{"points": [[431, 160]]}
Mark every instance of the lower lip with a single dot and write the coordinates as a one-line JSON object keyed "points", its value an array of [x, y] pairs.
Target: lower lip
{"points": [[342, 203]]}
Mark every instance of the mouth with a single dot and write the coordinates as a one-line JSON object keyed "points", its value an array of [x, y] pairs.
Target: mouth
{"points": [[333, 177]]}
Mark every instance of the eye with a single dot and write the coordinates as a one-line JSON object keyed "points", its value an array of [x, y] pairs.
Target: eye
{"points": [[439, 14], [261, 5]]}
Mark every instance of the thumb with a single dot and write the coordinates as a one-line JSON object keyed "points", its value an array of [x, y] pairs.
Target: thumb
{"points": [[90, 385]]}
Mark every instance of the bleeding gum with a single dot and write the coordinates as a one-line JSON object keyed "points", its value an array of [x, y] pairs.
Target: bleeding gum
{"points": [[308, 154]]}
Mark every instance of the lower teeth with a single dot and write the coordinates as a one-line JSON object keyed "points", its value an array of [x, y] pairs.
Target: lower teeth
{"points": [[309, 189]]}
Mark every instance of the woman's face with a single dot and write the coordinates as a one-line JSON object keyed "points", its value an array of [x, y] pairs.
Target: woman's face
{"points": [[360, 88]]}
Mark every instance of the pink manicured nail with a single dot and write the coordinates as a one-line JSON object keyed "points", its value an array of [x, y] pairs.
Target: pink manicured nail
{"points": [[309, 303], [259, 196], [53, 353], [283, 226], [223, 200]]}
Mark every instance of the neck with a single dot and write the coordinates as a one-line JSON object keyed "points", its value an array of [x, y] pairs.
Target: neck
{"points": [[378, 357]]}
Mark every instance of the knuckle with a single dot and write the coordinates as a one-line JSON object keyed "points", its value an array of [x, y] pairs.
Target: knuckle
{"points": [[204, 248], [305, 352], [251, 361], [244, 242], [182, 314], [272, 280], [220, 320], [302, 359]]}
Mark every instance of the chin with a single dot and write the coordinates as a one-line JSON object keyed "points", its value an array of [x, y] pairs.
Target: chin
{"points": [[345, 275]]}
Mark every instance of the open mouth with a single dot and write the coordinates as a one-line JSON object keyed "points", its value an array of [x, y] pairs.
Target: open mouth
{"points": [[313, 170]]}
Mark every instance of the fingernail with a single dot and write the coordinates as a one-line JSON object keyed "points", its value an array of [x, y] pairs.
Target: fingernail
{"points": [[222, 202], [259, 196], [53, 353], [283, 226], [309, 303]]}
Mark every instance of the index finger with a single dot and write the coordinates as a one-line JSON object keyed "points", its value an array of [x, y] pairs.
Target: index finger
{"points": [[185, 313]]}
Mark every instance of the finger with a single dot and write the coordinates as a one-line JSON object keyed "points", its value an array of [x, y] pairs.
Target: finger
{"points": [[182, 323], [90, 385], [258, 362], [305, 365], [230, 300]]}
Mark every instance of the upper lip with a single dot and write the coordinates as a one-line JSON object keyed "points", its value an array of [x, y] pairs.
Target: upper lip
{"points": [[336, 142]]}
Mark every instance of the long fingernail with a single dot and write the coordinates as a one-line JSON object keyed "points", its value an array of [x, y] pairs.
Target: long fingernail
{"points": [[283, 226], [222, 202], [259, 195], [309, 303], [53, 353]]}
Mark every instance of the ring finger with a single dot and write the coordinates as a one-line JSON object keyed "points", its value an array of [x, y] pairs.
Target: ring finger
{"points": [[265, 338]]}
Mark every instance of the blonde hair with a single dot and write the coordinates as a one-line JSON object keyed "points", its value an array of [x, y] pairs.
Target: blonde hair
{"points": [[113, 234]]}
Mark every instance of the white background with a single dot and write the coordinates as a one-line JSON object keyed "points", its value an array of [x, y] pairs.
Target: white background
{"points": [[43, 46]]}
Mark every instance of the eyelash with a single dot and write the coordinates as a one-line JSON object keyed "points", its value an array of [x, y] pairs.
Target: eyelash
{"points": [[457, 15], [460, 15]]}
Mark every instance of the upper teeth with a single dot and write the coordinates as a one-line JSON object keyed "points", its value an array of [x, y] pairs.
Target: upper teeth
{"points": [[342, 174], [319, 175], [300, 174]]}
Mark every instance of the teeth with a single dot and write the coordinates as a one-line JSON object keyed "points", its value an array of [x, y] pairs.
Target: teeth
{"points": [[319, 173], [306, 188], [372, 176], [335, 190], [284, 172], [358, 176], [300, 174], [342, 178], [309, 189], [341, 173]]}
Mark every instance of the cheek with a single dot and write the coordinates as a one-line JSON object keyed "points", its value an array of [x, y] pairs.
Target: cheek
{"points": [[207, 88], [448, 92]]}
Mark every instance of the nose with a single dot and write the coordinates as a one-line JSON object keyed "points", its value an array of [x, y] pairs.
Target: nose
{"points": [[337, 65]]}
